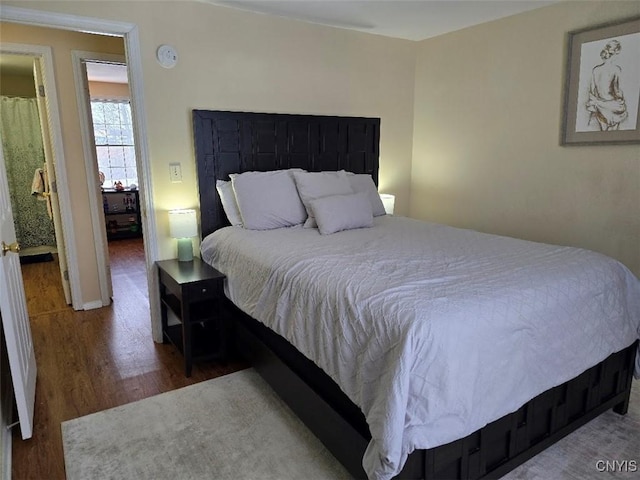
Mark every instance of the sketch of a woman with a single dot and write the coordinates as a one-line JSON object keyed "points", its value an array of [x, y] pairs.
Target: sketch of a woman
{"points": [[606, 101]]}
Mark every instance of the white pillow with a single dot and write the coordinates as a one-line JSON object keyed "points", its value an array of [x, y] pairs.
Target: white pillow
{"points": [[312, 185], [342, 212], [229, 203], [268, 200], [363, 183]]}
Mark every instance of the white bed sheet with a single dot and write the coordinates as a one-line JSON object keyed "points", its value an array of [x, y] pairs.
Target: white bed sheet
{"points": [[432, 331]]}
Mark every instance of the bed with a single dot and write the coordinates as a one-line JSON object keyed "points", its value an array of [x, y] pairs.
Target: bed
{"points": [[530, 417]]}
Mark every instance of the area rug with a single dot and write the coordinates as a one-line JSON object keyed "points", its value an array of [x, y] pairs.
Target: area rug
{"points": [[234, 427]]}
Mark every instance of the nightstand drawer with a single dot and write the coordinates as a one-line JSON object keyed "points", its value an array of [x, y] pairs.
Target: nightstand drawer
{"points": [[206, 290]]}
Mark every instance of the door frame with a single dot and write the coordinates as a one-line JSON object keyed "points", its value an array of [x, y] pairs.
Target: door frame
{"points": [[44, 55], [129, 32], [91, 163]]}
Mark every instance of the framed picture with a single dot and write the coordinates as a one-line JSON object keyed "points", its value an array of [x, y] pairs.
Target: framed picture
{"points": [[602, 92]]}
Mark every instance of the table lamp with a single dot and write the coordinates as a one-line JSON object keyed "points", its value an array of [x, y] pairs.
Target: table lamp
{"points": [[183, 226], [389, 202]]}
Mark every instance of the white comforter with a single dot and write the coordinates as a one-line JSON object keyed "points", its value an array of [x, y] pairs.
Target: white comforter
{"points": [[432, 331]]}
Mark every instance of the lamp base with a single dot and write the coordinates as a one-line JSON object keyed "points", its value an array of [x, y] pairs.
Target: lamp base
{"points": [[185, 250]]}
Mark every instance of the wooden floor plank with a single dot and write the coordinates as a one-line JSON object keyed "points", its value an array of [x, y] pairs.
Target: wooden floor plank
{"points": [[43, 290], [93, 360]]}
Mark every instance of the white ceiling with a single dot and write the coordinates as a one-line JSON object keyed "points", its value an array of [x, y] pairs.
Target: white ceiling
{"points": [[408, 19], [107, 72]]}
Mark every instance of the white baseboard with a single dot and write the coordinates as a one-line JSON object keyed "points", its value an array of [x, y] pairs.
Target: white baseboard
{"points": [[92, 305]]}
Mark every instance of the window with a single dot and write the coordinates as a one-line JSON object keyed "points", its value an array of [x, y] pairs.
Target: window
{"points": [[114, 141]]}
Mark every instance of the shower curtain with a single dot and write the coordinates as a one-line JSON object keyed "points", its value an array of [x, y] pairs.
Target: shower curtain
{"points": [[23, 155]]}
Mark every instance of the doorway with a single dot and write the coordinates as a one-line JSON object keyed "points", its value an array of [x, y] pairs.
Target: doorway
{"points": [[102, 84], [129, 33], [29, 163]]}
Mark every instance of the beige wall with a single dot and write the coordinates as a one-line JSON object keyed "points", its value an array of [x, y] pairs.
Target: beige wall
{"points": [[111, 91], [236, 60], [487, 113], [17, 85], [488, 103], [62, 43]]}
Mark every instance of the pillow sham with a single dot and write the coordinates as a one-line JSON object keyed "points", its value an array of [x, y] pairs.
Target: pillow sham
{"points": [[268, 200], [312, 185], [363, 183], [342, 212], [229, 203]]}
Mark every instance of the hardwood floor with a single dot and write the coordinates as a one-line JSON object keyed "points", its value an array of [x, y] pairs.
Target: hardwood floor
{"points": [[94, 360], [43, 289]]}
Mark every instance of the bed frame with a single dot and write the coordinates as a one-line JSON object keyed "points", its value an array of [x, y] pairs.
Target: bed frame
{"points": [[234, 142]]}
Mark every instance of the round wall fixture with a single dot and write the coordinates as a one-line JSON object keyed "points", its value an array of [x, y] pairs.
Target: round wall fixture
{"points": [[167, 56]]}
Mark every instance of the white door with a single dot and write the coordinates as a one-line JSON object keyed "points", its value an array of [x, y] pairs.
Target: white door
{"points": [[13, 309], [51, 178]]}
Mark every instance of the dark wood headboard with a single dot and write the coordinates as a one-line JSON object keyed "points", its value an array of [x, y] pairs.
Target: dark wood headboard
{"points": [[236, 142]]}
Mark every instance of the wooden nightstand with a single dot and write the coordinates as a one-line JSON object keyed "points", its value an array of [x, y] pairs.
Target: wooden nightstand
{"points": [[194, 293]]}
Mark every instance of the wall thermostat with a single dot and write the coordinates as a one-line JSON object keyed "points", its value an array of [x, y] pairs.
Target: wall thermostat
{"points": [[167, 56]]}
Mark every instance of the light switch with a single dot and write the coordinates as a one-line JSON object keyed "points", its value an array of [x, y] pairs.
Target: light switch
{"points": [[175, 172]]}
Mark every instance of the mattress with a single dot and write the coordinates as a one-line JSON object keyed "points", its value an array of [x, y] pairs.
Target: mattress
{"points": [[433, 331]]}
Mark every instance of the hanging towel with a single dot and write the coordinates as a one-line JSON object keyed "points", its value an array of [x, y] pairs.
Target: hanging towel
{"points": [[40, 188], [38, 184]]}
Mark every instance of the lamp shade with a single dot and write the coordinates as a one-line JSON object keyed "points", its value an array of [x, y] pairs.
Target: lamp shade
{"points": [[389, 202], [183, 223]]}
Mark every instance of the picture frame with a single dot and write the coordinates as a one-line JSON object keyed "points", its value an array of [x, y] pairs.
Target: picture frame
{"points": [[602, 85]]}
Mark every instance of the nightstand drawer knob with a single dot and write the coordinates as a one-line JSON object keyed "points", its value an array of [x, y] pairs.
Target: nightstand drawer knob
{"points": [[204, 290]]}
